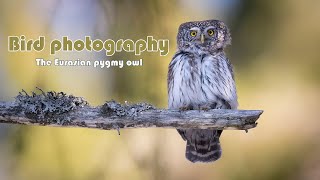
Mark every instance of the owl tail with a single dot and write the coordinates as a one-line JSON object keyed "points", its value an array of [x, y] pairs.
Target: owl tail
{"points": [[204, 151]]}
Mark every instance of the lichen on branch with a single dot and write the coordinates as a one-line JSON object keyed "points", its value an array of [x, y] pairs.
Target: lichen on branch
{"points": [[48, 106], [114, 108]]}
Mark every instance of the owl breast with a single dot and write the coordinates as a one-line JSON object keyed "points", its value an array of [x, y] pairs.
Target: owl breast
{"points": [[196, 80]]}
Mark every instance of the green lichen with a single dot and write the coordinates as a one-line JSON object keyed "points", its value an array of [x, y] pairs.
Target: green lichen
{"points": [[48, 107]]}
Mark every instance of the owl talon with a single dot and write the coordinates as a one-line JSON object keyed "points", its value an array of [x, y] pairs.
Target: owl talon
{"points": [[184, 108], [204, 108]]}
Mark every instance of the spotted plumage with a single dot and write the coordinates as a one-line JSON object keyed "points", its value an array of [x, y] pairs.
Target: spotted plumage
{"points": [[200, 76]]}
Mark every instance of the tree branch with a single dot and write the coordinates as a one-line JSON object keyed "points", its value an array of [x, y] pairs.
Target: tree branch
{"points": [[59, 109]]}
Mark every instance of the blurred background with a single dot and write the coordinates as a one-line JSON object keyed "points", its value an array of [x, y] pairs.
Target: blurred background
{"points": [[275, 52]]}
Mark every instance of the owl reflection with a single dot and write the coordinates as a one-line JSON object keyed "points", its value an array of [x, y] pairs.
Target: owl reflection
{"points": [[201, 77]]}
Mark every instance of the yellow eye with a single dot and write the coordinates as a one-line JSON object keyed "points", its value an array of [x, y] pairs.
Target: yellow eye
{"points": [[193, 33], [210, 32]]}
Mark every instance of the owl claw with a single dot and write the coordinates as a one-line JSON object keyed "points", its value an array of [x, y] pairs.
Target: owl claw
{"points": [[184, 108], [204, 108]]}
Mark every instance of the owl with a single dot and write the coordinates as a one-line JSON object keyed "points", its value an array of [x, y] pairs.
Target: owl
{"points": [[200, 77]]}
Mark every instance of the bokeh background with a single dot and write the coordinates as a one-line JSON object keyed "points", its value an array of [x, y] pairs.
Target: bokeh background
{"points": [[276, 56]]}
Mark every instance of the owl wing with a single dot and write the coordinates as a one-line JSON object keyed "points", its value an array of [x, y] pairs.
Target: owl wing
{"points": [[174, 75], [230, 67], [218, 80], [170, 80], [180, 80]]}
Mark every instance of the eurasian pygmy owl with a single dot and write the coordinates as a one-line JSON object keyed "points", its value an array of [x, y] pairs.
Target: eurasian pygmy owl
{"points": [[201, 77]]}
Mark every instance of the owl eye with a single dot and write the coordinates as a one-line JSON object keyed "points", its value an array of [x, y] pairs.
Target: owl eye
{"points": [[210, 32], [193, 33]]}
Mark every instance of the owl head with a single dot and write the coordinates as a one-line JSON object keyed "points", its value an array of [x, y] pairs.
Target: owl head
{"points": [[203, 36]]}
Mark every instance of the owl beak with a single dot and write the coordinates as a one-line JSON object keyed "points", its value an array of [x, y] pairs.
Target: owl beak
{"points": [[202, 38]]}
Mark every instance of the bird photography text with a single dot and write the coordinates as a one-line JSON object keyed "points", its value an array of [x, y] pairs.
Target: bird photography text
{"points": [[87, 44]]}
